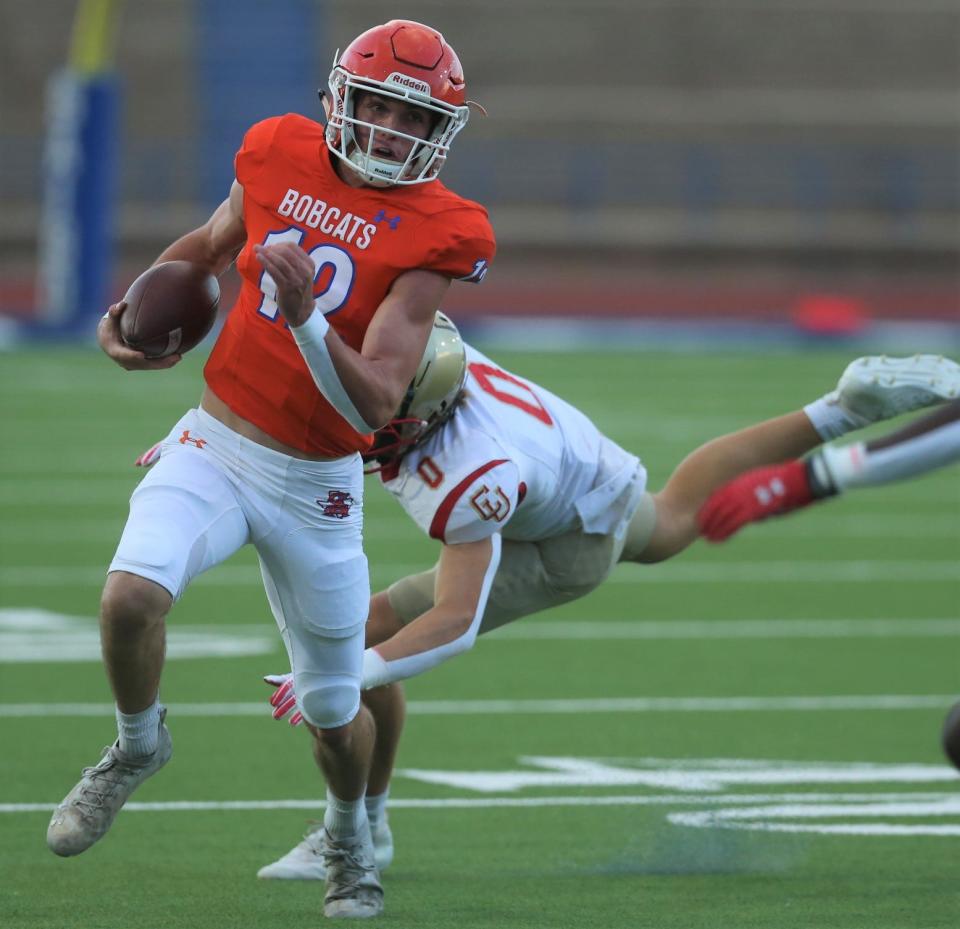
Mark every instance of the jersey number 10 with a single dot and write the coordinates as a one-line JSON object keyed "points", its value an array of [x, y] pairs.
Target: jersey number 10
{"points": [[339, 280]]}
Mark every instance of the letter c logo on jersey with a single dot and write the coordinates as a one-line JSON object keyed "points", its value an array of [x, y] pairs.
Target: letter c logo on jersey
{"points": [[491, 504], [337, 504]]}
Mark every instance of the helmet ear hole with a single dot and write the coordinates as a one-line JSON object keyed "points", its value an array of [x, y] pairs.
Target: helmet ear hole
{"points": [[441, 373], [325, 104]]}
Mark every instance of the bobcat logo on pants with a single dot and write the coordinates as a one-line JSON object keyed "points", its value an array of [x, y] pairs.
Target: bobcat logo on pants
{"points": [[337, 504]]}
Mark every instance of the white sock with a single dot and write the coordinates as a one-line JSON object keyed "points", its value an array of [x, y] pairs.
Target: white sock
{"points": [[343, 818], [831, 420], [139, 732], [376, 808]]}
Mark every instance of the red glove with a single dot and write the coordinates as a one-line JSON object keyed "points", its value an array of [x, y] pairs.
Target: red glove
{"points": [[283, 699], [754, 496]]}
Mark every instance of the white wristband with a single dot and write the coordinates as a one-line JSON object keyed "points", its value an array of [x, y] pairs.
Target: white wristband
{"points": [[315, 329], [375, 673], [843, 463], [311, 340]]}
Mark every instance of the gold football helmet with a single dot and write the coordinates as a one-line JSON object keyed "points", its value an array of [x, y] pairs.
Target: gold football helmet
{"points": [[430, 400]]}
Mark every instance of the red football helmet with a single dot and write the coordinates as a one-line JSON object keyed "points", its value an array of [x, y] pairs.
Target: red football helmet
{"points": [[405, 61]]}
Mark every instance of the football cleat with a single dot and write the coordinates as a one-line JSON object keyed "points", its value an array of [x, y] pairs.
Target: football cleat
{"points": [[877, 387], [353, 882], [305, 861], [88, 811]]}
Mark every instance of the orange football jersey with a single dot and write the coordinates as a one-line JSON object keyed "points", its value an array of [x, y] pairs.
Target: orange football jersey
{"points": [[360, 240]]}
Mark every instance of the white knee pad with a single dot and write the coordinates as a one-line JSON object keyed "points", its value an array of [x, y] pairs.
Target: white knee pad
{"points": [[322, 624], [327, 701], [327, 672]]}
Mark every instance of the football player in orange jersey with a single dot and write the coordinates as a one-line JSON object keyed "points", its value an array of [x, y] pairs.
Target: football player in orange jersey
{"points": [[346, 243]]}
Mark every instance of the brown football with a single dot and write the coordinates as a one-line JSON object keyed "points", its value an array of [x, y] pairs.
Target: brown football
{"points": [[170, 308]]}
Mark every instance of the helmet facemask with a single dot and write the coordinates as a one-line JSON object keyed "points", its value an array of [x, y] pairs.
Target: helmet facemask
{"points": [[403, 434], [426, 156], [433, 396]]}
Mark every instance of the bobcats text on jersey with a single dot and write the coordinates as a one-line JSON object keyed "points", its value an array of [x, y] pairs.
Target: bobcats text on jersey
{"points": [[317, 214]]}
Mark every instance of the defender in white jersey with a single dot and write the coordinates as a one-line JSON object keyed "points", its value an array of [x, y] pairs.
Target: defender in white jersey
{"points": [[533, 507], [532, 478], [518, 460]]}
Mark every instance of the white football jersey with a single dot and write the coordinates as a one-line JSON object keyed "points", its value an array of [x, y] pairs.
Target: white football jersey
{"points": [[517, 460]]}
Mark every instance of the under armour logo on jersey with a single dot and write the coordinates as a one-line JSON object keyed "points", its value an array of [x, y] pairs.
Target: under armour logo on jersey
{"points": [[337, 504], [186, 437], [391, 221]]}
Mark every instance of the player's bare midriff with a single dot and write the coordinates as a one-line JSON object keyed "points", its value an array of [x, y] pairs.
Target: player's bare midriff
{"points": [[212, 404]]}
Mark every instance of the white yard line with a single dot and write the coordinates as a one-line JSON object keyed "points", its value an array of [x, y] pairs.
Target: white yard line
{"points": [[399, 528], [803, 704], [603, 630], [485, 803], [67, 492], [680, 572], [43, 636], [776, 572], [600, 630]]}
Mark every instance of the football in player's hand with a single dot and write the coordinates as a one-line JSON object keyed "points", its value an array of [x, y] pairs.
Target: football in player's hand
{"points": [[951, 735], [170, 308]]}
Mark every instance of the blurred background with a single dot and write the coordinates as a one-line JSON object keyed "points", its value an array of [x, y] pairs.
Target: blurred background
{"points": [[674, 171]]}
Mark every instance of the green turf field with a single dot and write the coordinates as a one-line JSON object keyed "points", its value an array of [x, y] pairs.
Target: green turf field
{"points": [[746, 737]]}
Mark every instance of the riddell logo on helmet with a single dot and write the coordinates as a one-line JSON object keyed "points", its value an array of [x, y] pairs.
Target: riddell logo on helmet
{"points": [[411, 83]]}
